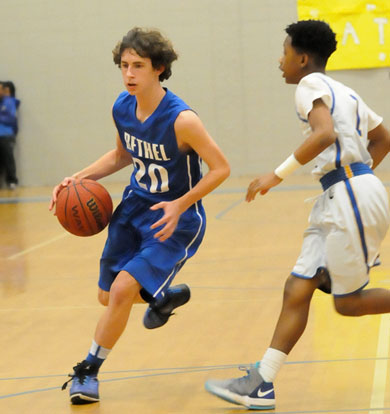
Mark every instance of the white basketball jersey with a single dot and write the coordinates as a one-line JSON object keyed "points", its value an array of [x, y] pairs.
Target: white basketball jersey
{"points": [[352, 120]]}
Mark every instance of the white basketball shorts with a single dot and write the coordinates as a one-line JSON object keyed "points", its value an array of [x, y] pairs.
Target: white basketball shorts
{"points": [[346, 227]]}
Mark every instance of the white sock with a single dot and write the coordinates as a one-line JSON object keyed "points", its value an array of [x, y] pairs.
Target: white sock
{"points": [[99, 351], [271, 363]]}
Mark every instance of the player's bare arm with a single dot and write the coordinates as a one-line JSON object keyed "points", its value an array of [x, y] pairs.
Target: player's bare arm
{"points": [[109, 163], [379, 144], [191, 134], [322, 136]]}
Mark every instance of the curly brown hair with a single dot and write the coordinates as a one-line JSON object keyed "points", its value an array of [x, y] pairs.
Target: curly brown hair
{"points": [[148, 43]]}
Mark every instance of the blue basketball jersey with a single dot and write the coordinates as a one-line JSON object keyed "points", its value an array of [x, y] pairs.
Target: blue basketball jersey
{"points": [[161, 171]]}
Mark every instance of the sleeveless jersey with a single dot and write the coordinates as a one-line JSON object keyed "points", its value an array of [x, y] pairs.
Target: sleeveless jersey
{"points": [[352, 120], [161, 171]]}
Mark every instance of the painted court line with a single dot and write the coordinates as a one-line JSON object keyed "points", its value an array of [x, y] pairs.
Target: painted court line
{"points": [[18, 394], [378, 392], [200, 367], [227, 209], [37, 246], [194, 369], [152, 372], [341, 411], [284, 188], [49, 308]]}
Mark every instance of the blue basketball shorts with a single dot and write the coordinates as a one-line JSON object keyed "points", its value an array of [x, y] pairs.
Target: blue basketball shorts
{"points": [[130, 245]]}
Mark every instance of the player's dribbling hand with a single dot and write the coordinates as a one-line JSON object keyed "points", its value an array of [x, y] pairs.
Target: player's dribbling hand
{"points": [[261, 185], [57, 189], [169, 220]]}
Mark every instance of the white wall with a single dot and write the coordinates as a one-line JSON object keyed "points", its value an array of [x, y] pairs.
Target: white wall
{"points": [[58, 53]]}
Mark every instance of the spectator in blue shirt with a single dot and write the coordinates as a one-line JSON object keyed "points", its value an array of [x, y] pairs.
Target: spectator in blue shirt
{"points": [[8, 131]]}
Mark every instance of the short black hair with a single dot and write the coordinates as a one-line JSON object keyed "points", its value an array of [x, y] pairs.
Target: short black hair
{"points": [[314, 37], [10, 85], [148, 43]]}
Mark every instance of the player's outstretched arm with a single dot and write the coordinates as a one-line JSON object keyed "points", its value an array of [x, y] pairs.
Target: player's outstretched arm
{"points": [[379, 144], [261, 185], [322, 136]]}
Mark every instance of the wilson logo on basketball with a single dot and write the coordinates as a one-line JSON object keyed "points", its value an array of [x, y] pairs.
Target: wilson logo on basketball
{"points": [[84, 208], [76, 216], [94, 209]]}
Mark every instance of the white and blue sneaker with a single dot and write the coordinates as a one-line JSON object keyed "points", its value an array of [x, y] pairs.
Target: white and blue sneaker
{"points": [[251, 391], [85, 385]]}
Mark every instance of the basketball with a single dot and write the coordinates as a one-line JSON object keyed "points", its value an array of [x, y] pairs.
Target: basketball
{"points": [[84, 207]]}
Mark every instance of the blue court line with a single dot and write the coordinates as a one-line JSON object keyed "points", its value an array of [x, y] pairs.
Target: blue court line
{"points": [[177, 370], [36, 199], [283, 188], [345, 410], [227, 209], [186, 370], [17, 394], [181, 371], [235, 288], [41, 199], [209, 367], [276, 189], [17, 200], [349, 410]]}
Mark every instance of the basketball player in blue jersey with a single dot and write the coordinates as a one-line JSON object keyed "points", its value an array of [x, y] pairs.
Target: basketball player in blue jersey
{"points": [[160, 221], [349, 219]]}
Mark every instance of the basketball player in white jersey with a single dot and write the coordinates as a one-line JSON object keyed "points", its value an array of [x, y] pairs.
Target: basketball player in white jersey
{"points": [[349, 220]]}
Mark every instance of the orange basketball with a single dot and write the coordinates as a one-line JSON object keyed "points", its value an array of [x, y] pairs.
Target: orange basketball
{"points": [[84, 207]]}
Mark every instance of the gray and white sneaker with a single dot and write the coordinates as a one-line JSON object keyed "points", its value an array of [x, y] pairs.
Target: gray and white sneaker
{"points": [[251, 391]]}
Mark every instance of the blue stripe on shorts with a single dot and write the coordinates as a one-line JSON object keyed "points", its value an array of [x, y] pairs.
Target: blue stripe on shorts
{"points": [[130, 245]]}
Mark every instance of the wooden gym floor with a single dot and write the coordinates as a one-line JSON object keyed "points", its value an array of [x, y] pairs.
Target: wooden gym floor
{"points": [[48, 313]]}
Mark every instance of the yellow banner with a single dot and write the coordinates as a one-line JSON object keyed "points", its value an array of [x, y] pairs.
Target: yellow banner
{"points": [[362, 30]]}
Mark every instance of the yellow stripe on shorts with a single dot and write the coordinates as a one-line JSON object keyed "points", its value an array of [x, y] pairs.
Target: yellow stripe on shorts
{"points": [[348, 171]]}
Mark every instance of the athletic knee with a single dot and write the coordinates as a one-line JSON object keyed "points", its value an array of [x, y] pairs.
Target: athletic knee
{"points": [[289, 289], [103, 297], [297, 290], [347, 306], [124, 290]]}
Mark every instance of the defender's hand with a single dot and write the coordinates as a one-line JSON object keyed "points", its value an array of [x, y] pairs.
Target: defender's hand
{"points": [[261, 185]]}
